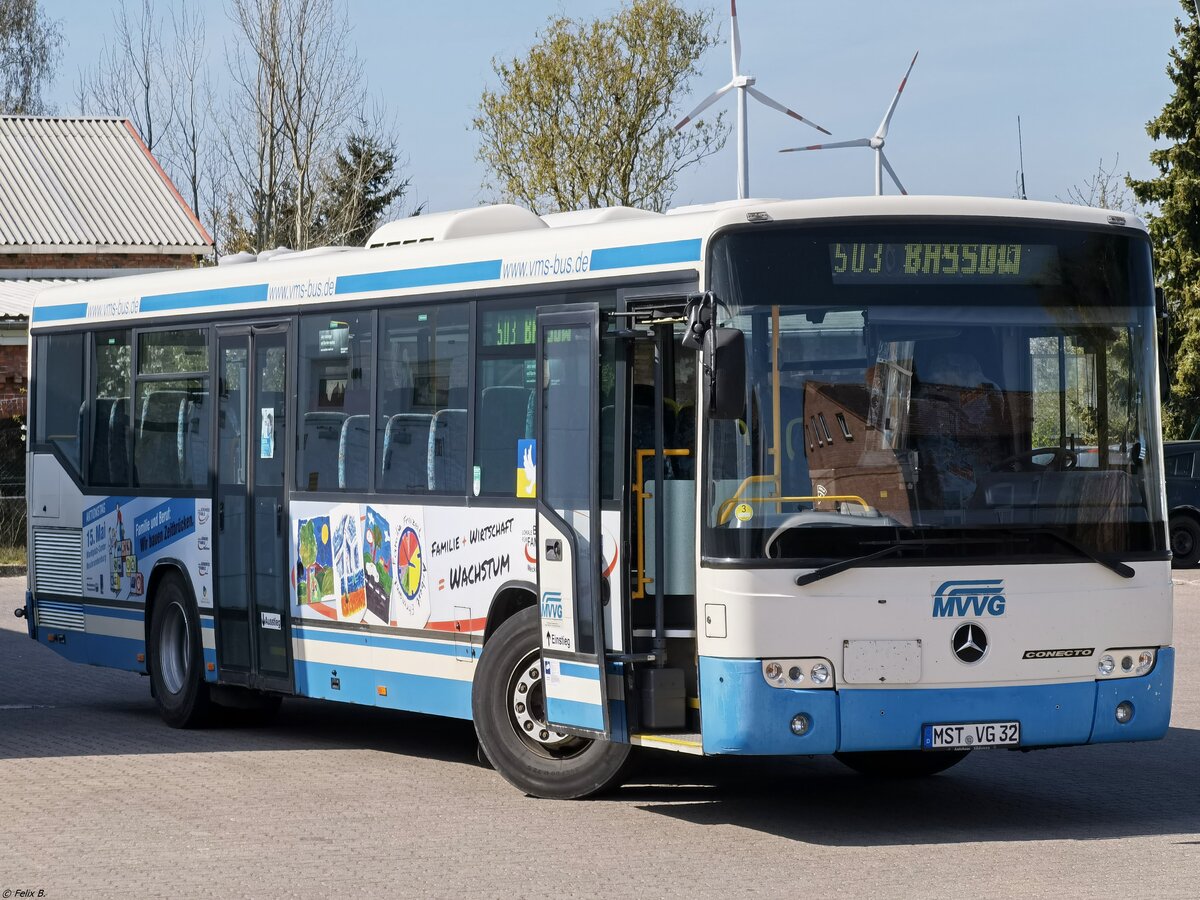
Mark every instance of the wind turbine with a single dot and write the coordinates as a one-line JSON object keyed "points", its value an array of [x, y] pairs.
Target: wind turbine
{"points": [[744, 85], [875, 142]]}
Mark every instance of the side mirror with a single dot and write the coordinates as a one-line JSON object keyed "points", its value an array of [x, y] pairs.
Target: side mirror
{"points": [[725, 367], [1164, 345]]}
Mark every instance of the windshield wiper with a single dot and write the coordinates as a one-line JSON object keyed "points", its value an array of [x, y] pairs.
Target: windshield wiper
{"points": [[891, 549], [995, 535], [1109, 562]]}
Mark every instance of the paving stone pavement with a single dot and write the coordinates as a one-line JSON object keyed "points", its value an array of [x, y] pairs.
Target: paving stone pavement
{"points": [[99, 799]]}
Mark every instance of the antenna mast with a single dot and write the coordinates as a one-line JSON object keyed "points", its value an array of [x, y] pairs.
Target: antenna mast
{"points": [[1021, 155]]}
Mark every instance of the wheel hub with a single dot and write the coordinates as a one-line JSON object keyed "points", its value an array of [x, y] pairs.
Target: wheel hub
{"points": [[174, 651], [1181, 542], [527, 705]]}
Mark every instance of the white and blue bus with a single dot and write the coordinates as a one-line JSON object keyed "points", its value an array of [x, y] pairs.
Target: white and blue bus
{"points": [[875, 477]]}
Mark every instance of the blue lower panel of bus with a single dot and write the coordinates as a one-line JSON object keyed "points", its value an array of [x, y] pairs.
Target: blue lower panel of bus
{"points": [[108, 636], [95, 649], [742, 714], [415, 693], [361, 667]]}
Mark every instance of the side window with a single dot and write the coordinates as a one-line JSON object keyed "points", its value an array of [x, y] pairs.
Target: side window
{"points": [[337, 354], [112, 377], [60, 395], [1180, 465], [171, 409], [679, 409], [504, 411], [421, 421]]}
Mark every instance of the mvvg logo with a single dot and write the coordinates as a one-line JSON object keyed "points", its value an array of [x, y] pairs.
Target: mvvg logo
{"points": [[552, 605], [956, 599]]}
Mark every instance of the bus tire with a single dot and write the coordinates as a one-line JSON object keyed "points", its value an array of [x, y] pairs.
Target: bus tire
{"points": [[507, 696], [1185, 542], [176, 658], [901, 763]]}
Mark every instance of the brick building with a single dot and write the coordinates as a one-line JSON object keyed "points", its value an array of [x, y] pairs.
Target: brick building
{"points": [[80, 199]]}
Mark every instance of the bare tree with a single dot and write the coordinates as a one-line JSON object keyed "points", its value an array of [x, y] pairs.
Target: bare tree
{"points": [[134, 77], [251, 126], [29, 51], [189, 145], [320, 79], [1106, 190]]}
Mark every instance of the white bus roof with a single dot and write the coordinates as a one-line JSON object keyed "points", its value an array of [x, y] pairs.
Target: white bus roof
{"points": [[455, 251]]}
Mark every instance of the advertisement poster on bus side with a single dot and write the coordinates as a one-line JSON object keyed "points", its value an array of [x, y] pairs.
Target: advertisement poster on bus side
{"points": [[123, 538], [415, 566]]}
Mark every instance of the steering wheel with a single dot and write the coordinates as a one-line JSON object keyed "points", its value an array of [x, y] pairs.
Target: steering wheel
{"points": [[789, 523], [1060, 459]]}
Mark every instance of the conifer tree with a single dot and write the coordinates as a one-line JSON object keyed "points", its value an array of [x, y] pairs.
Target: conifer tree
{"points": [[1173, 198]]}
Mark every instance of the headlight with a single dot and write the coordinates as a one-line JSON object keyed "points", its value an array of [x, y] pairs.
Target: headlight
{"points": [[1126, 662], [811, 672]]}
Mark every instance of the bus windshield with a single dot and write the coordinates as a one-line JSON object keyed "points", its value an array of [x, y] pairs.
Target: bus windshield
{"points": [[969, 389]]}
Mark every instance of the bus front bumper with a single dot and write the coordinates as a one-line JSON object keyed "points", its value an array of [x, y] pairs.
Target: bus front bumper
{"points": [[742, 714]]}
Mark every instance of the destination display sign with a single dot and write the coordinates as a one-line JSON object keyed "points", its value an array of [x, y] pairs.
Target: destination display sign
{"points": [[914, 262]]}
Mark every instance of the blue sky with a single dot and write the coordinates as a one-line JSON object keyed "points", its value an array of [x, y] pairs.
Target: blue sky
{"points": [[1084, 75]]}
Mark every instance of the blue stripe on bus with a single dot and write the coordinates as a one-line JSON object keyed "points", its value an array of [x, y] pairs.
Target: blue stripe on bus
{"points": [[646, 255], [575, 713], [62, 311], [242, 293], [426, 276], [580, 670], [385, 642]]}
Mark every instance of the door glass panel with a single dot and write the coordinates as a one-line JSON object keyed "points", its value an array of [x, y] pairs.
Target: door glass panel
{"points": [[268, 413], [564, 466], [233, 547]]}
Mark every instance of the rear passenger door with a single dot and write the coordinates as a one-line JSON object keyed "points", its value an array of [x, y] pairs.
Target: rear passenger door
{"points": [[252, 596]]}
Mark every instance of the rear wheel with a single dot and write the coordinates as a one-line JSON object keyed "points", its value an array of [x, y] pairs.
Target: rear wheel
{"points": [[176, 658], [509, 708], [1185, 542], [902, 763]]}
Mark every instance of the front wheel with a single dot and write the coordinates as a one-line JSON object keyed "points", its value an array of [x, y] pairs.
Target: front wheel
{"points": [[1185, 542], [902, 763], [176, 658], [509, 707]]}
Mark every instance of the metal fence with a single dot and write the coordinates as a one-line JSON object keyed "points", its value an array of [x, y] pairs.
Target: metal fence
{"points": [[12, 488]]}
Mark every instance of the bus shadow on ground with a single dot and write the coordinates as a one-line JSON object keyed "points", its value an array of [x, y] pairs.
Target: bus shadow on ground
{"points": [[50, 707], [1081, 793], [53, 708]]}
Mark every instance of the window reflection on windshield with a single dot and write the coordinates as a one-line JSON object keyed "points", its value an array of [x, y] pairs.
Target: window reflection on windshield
{"points": [[933, 410]]}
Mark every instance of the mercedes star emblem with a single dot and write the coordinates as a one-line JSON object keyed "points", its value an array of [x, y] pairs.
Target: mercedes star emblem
{"points": [[969, 643]]}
